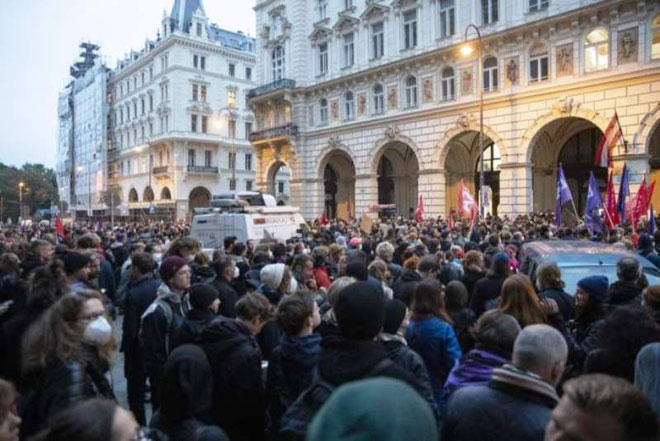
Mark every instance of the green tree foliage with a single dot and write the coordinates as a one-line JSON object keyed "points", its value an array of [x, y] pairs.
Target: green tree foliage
{"points": [[39, 191]]}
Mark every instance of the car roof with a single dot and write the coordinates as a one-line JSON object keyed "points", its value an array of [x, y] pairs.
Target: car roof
{"points": [[578, 253]]}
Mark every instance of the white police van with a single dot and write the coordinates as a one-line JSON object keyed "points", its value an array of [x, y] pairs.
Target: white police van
{"points": [[247, 216]]}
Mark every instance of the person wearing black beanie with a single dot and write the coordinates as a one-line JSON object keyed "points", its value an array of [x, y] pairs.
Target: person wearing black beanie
{"points": [[353, 355], [204, 302]]}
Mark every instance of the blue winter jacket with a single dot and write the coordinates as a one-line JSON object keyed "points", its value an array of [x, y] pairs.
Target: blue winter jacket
{"points": [[435, 340]]}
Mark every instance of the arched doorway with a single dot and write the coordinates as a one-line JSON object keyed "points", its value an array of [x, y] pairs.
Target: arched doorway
{"points": [[199, 197], [279, 182], [654, 151], [463, 162], [398, 172], [339, 185], [571, 142], [165, 194], [132, 195], [148, 195]]}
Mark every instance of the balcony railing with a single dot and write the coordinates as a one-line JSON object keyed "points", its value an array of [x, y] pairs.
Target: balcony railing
{"points": [[160, 169], [275, 132], [202, 169], [284, 83]]}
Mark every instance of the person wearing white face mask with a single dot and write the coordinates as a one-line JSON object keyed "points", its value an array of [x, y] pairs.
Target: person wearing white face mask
{"points": [[226, 271], [67, 352]]}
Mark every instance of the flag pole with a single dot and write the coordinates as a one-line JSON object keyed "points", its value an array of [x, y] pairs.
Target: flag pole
{"points": [[573, 204]]}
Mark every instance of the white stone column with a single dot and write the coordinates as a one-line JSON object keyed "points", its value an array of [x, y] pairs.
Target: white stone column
{"points": [[515, 189], [431, 185], [366, 193]]}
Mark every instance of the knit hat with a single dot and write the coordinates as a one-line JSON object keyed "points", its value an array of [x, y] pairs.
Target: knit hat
{"points": [[456, 295], [358, 270], [360, 311], [376, 408], [645, 242], [170, 266], [355, 242], [73, 262], [501, 257], [271, 275], [595, 286], [202, 295], [395, 312]]}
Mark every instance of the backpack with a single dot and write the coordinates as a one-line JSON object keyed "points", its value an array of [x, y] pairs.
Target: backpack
{"points": [[300, 414], [169, 318]]}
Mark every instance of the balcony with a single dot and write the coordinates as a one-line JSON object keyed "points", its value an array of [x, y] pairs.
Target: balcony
{"points": [[275, 85], [275, 132], [202, 169], [160, 170]]}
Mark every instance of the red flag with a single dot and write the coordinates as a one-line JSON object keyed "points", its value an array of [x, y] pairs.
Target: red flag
{"points": [[640, 208], [467, 205], [451, 219], [419, 211], [611, 214], [59, 228], [324, 218], [649, 194], [608, 141]]}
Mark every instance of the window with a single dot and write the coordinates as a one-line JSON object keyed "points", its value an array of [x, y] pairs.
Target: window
{"points": [[195, 92], [538, 5], [193, 123], [135, 83], [232, 185], [447, 18], [142, 79], [538, 63], [596, 51], [142, 107], [411, 92], [207, 158], [349, 50], [232, 70], [151, 102], [323, 9], [379, 99], [277, 59], [203, 93], [231, 160], [151, 128], [231, 99], [121, 116], [410, 29], [655, 35], [248, 185], [448, 84], [490, 74], [348, 4], [195, 61], [135, 112], [128, 112], [323, 107], [349, 106], [248, 129], [231, 128], [489, 11], [191, 157], [204, 121], [248, 161], [323, 58], [248, 73], [199, 29], [377, 40], [280, 187], [202, 63], [160, 158]]}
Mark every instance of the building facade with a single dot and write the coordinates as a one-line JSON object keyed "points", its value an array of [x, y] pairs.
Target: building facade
{"points": [[373, 102]]}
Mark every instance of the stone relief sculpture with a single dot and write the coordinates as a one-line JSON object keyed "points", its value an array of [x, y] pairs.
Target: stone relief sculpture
{"points": [[466, 82], [362, 104], [565, 60], [427, 90], [392, 101], [627, 47]]}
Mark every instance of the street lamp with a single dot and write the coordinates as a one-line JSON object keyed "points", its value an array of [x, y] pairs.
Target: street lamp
{"points": [[20, 199], [466, 51], [232, 117], [148, 140]]}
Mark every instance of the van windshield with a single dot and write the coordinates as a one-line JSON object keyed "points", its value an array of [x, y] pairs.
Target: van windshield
{"points": [[573, 274]]}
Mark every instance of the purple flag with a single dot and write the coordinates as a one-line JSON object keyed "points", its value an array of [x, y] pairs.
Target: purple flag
{"points": [[563, 194], [624, 191], [594, 202], [652, 226]]}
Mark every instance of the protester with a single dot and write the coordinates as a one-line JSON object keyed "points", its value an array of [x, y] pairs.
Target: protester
{"points": [[463, 318], [516, 403], [520, 301], [10, 422], [163, 319], [651, 301], [226, 271], [329, 320], [473, 270], [431, 335], [602, 408], [647, 377], [187, 390], [205, 304], [77, 269], [405, 286], [320, 257], [626, 290], [381, 409], [550, 286], [488, 289], [66, 353]]}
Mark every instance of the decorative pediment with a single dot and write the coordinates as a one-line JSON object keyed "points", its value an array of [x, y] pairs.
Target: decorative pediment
{"points": [[277, 10], [374, 9], [345, 22], [398, 4], [320, 33]]}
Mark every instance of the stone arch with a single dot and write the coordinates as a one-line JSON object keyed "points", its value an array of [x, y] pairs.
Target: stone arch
{"points": [[443, 146], [641, 142], [165, 194], [564, 108], [327, 152], [148, 194], [272, 171], [133, 195], [392, 136], [337, 173], [199, 197]]}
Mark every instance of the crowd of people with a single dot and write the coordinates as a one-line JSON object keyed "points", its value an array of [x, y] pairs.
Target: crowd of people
{"points": [[431, 330]]}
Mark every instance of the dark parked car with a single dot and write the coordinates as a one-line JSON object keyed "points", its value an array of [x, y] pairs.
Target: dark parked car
{"points": [[579, 259]]}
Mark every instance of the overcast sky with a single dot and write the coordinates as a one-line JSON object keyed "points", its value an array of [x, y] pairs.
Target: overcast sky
{"points": [[39, 41]]}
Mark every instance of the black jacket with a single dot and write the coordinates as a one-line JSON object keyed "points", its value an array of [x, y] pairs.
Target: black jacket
{"points": [[486, 290], [238, 393], [139, 295], [470, 279], [405, 287], [228, 297], [463, 320], [193, 325], [623, 293], [11, 336], [565, 302], [582, 337]]}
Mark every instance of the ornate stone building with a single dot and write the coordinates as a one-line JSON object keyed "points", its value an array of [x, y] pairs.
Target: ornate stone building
{"points": [[372, 101]]}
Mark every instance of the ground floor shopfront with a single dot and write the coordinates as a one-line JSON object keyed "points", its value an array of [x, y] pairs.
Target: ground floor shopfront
{"points": [[393, 160]]}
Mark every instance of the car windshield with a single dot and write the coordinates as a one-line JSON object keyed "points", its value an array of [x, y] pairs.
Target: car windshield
{"points": [[571, 275]]}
